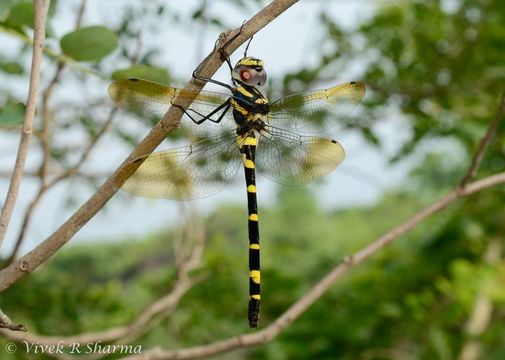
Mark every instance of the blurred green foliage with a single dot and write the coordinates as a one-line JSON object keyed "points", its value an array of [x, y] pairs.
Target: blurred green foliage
{"points": [[437, 63], [412, 298]]}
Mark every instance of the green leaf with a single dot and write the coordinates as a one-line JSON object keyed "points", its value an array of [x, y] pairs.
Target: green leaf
{"points": [[11, 67], [152, 73], [21, 15], [89, 43], [12, 114]]}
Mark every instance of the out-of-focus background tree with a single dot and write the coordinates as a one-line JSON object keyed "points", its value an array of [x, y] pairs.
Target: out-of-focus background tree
{"points": [[438, 293]]}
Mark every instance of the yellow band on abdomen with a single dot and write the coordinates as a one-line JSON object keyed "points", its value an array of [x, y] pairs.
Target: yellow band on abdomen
{"points": [[255, 276], [248, 163]]}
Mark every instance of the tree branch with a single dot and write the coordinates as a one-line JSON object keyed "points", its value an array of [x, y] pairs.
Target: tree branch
{"points": [[41, 8]]}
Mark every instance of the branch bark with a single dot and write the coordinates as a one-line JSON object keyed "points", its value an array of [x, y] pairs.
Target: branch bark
{"points": [[169, 122], [41, 8]]}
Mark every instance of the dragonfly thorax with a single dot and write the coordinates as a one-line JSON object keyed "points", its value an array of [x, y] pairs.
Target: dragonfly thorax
{"points": [[257, 123]]}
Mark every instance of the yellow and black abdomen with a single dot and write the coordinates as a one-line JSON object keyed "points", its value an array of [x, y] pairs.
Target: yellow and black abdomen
{"points": [[248, 150]]}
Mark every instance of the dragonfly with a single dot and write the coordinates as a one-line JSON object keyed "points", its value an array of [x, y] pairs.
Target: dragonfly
{"points": [[238, 129]]}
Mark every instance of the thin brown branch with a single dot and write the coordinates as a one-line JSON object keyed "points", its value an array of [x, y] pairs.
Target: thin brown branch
{"points": [[85, 154], [41, 8], [323, 285], [484, 143], [24, 225], [34, 174], [169, 122], [44, 137], [80, 14], [44, 134]]}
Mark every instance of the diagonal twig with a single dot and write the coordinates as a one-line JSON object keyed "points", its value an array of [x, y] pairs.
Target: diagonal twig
{"points": [[484, 143]]}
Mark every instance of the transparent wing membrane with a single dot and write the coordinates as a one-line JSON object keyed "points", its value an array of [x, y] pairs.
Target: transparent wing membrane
{"points": [[293, 159], [190, 172], [316, 110], [286, 152]]}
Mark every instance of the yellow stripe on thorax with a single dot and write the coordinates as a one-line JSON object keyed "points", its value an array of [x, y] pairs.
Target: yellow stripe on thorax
{"points": [[254, 246], [255, 297], [253, 217], [239, 108], [255, 276], [251, 189], [244, 92]]}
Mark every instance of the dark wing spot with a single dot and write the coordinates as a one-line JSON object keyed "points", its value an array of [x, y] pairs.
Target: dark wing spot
{"points": [[133, 79]]}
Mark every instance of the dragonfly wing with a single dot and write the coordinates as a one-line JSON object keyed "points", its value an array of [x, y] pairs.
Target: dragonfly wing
{"points": [[194, 171], [293, 159], [148, 101], [315, 110]]}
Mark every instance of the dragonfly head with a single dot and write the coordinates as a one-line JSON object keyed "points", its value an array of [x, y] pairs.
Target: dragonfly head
{"points": [[250, 71]]}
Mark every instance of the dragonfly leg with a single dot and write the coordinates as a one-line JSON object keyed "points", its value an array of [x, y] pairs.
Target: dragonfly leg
{"points": [[224, 57], [222, 49], [226, 106]]}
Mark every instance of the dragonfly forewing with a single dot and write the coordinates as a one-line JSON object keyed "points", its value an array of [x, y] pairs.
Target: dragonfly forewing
{"points": [[148, 101]]}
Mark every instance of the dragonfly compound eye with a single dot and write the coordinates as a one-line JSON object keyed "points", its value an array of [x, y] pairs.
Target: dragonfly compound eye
{"points": [[252, 76]]}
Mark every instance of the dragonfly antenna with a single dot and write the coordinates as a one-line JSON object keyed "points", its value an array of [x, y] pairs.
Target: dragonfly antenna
{"points": [[247, 47]]}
